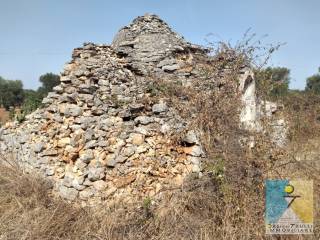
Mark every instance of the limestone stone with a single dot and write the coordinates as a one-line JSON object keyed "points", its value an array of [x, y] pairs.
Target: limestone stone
{"points": [[49, 171], [191, 137], [129, 151], [196, 169], [80, 165], [50, 152], [70, 110], [77, 183], [86, 156], [95, 174], [137, 139], [67, 180], [170, 68], [142, 130], [68, 193], [65, 79], [195, 151], [144, 120], [123, 181], [141, 149], [110, 160], [64, 141], [100, 185], [160, 107], [110, 191], [38, 147], [86, 193]]}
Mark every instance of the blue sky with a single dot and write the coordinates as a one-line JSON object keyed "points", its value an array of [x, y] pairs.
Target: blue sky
{"points": [[37, 36]]}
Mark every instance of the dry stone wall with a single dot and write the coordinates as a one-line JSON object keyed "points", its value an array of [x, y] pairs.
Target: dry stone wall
{"points": [[98, 138], [255, 111], [95, 137]]}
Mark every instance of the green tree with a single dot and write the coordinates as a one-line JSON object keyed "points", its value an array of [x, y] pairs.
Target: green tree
{"points": [[11, 93], [49, 81], [33, 99], [313, 83], [274, 81]]}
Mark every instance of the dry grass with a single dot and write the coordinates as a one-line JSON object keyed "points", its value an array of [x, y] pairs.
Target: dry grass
{"points": [[199, 211], [226, 203], [28, 211], [205, 208], [4, 116]]}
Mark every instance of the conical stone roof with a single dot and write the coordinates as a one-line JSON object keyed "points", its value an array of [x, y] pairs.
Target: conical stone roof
{"points": [[149, 40]]}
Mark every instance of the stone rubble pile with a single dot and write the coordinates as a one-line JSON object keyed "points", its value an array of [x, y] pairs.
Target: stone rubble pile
{"points": [[95, 137], [98, 138]]}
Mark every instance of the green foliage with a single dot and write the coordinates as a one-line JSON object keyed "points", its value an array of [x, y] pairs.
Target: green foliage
{"points": [[274, 81], [313, 83], [32, 101], [11, 113], [11, 93], [21, 117], [147, 203], [146, 206], [155, 88], [216, 168], [49, 81]]}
